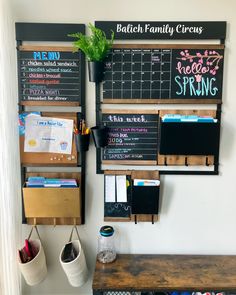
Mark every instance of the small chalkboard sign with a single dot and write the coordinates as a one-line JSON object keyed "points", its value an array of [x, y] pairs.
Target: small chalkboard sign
{"points": [[122, 210], [50, 76], [132, 137], [119, 209], [197, 73], [163, 73]]}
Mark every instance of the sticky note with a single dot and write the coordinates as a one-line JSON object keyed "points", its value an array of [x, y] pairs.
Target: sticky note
{"points": [[121, 188], [110, 188]]}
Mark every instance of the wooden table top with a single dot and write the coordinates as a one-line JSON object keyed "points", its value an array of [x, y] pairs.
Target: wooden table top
{"points": [[134, 272]]}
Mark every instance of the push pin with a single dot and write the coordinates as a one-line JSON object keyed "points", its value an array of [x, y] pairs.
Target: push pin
{"points": [[73, 157], [69, 158]]}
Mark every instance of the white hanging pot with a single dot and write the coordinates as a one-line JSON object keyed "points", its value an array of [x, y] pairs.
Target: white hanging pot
{"points": [[75, 270], [35, 270]]}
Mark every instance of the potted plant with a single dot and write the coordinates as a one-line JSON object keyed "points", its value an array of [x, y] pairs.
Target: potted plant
{"points": [[95, 47]]}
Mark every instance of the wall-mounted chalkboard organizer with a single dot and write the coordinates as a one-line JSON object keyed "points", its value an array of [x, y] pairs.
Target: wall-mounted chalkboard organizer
{"points": [[51, 159], [53, 205], [50, 76], [132, 137], [151, 73], [163, 74], [126, 200], [190, 137]]}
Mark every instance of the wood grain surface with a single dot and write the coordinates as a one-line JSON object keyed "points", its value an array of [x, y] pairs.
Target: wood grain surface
{"points": [[134, 272]]}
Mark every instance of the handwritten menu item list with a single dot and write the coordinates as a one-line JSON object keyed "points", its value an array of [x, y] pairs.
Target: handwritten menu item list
{"points": [[163, 74], [49, 76], [131, 136]]}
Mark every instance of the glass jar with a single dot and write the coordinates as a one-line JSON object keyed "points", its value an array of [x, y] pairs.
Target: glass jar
{"points": [[106, 245]]}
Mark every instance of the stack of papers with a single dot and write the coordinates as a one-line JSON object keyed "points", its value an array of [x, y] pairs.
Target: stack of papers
{"points": [[50, 182], [188, 118], [146, 182]]}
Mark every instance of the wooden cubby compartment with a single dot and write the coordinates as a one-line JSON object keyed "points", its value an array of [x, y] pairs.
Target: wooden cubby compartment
{"points": [[135, 174], [50, 159], [53, 205]]}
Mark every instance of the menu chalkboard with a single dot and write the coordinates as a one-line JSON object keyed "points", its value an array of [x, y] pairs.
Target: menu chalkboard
{"points": [[50, 76], [163, 73], [131, 137]]}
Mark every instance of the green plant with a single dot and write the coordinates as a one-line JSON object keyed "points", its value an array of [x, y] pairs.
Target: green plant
{"points": [[96, 46]]}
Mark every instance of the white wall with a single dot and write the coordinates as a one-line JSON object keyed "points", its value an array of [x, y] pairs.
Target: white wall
{"points": [[198, 212]]}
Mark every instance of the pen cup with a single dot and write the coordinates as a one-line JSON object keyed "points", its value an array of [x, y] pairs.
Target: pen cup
{"points": [[100, 136], [82, 142]]}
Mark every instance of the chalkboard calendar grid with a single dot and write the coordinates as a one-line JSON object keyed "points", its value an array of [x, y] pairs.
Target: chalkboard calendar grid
{"points": [[164, 74], [138, 74]]}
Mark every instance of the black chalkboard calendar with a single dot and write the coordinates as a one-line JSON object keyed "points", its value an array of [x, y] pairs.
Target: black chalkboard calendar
{"points": [[133, 137], [163, 73], [50, 76]]}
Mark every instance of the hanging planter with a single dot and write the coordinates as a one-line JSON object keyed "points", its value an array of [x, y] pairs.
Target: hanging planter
{"points": [[95, 47], [96, 71]]}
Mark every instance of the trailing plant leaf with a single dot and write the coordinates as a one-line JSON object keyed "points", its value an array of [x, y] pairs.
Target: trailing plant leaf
{"points": [[96, 46]]}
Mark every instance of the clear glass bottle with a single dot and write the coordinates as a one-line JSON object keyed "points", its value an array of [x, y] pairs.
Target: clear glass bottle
{"points": [[106, 245]]}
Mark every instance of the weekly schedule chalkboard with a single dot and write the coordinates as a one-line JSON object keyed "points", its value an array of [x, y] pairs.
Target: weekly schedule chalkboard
{"points": [[50, 76], [132, 137], [154, 72]]}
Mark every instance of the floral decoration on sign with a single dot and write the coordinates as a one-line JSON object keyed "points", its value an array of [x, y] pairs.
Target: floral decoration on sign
{"points": [[211, 58]]}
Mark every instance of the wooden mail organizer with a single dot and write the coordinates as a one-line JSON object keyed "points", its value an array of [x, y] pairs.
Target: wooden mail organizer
{"points": [[140, 203], [53, 205], [165, 273]]}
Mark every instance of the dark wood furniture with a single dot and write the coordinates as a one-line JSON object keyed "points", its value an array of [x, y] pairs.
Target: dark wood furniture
{"points": [[162, 273]]}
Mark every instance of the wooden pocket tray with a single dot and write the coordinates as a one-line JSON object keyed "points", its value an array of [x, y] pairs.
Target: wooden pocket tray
{"points": [[52, 202], [53, 205], [189, 138]]}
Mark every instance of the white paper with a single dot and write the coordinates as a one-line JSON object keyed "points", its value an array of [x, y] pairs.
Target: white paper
{"points": [[110, 188], [48, 135], [121, 188]]}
